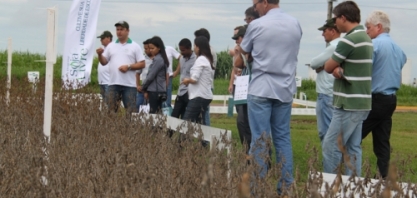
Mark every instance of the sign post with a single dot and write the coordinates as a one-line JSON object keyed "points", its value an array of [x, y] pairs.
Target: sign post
{"points": [[50, 61], [33, 77]]}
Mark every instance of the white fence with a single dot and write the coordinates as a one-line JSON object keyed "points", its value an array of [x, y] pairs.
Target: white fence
{"points": [[218, 109], [359, 186]]}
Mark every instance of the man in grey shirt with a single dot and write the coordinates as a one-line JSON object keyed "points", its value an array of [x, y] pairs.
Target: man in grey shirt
{"points": [[186, 62], [273, 41]]}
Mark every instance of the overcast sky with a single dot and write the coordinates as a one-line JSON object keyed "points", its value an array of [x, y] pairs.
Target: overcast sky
{"points": [[25, 22]]}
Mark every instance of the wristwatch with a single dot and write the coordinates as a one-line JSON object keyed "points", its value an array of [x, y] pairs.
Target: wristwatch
{"points": [[129, 67]]}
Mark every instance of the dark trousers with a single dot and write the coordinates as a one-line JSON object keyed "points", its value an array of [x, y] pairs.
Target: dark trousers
{"points": [[196, 110], [243, 125], [180, 106], [155, 102], [242, 122], [379, 122]]}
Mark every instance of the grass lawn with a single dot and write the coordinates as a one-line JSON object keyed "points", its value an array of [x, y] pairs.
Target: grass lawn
{"points": [[304, 132]]}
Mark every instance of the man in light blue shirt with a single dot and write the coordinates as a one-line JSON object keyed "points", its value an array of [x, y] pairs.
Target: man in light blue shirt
{"points": [[324, 81], [273, 41], [388, 60]]}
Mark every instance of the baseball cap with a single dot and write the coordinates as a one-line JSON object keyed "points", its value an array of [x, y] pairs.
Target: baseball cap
{"points": [[241, 32], [123, 24], [329, 24], [105, 34]]}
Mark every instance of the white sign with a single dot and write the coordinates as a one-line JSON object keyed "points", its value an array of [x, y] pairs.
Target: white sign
{"points": [[33, 76], [241, 88], [80, 37], [298, 80]]}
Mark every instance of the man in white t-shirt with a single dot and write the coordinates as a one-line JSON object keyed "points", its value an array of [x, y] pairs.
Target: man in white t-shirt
{"points": [[142, 73], [103, 72], [171, 54], [123, 57]]}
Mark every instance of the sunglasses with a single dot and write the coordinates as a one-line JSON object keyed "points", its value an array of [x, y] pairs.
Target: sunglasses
{"points": [[254, 5]]}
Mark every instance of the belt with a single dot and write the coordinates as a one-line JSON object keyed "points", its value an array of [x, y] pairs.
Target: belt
{"points": [[379, 95]]}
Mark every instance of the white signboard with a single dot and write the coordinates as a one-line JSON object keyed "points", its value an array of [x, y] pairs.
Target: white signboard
{"points": [[241, 89], [298, 80], [33, 76]]}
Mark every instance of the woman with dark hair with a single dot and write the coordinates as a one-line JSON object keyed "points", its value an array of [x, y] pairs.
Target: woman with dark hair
{"points": [[155, 86], [199, 83]]}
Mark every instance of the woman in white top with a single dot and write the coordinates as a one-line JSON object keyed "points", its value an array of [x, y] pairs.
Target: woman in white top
{"points": [[200, 81]]}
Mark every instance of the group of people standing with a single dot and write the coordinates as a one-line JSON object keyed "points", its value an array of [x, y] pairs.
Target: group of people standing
{"points": [[357, 94], [136, 78], [358, 76]]}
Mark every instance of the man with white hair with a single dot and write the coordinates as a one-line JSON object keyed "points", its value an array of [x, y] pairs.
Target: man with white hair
{"points": [[388, 60]]}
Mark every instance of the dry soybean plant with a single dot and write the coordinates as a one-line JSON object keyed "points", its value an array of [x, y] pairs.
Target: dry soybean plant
{"points": [[95, 153]]}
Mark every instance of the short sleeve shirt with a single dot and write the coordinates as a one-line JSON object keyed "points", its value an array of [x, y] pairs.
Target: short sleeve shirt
{"points": [[354, 54], [273, 41], [171, 54], [186, 64], [118, 54], [103, 74]]}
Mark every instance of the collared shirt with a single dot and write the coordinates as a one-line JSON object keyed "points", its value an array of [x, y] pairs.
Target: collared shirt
{"points": [[324, 81], [201, 72], [118, 54], [144, 71], [186, 64], [156, 77], [354, 54], [103, 73], [274, 42], [171, 54], [388, 60]]}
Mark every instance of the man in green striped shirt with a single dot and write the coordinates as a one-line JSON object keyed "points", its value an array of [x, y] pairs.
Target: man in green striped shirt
{"points": [[351, 65]]}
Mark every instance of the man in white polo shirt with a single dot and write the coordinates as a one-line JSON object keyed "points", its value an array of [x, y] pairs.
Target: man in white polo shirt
{"points": [[123, 57], [171, 54], [103, 72]]}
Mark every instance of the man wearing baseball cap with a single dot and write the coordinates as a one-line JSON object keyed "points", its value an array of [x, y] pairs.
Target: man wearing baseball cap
{"points": [[103, 72], [122, 57], [324, 81]]}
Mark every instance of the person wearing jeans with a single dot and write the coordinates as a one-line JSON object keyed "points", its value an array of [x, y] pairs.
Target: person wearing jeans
{"points": [[271, 118], [347, 125], [122, 58], [324, 81], [351, 65], [128, 95], [272, 86]]}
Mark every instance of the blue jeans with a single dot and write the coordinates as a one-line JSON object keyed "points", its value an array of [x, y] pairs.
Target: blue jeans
{"points": [[207, 114], [324, 112], [140, 100], [271, 118], [127, 94], [103, 92], [349, 124], [169, 92]]}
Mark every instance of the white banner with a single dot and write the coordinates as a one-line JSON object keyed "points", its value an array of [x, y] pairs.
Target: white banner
{"points": [[80, 37]]}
